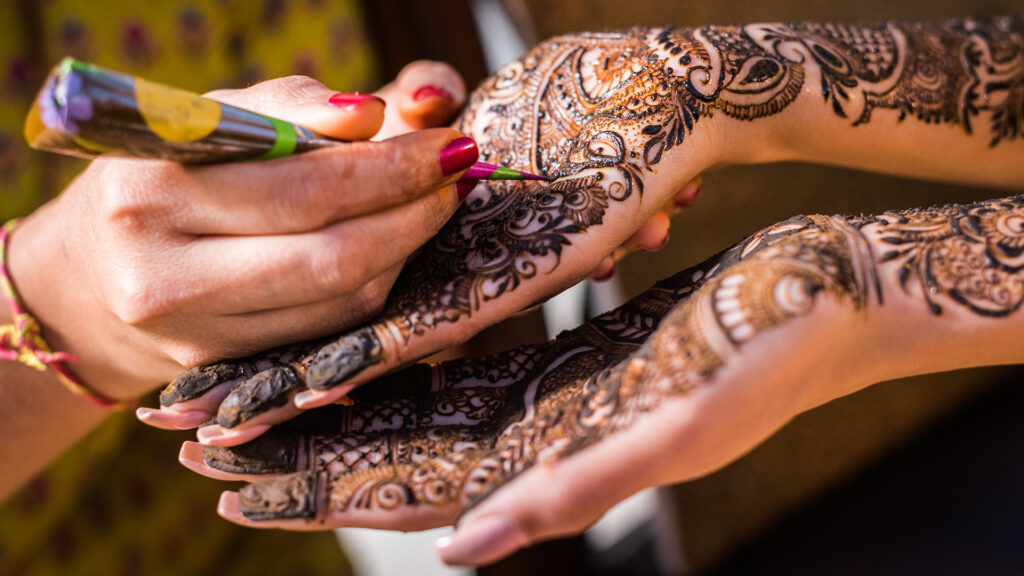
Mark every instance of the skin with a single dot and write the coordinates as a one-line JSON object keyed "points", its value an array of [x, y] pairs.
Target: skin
{"points": [[175, 266], [622, 120], [123, 224], [541, 440]]}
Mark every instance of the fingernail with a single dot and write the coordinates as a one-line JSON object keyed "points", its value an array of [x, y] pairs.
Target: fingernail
{"points": [[431, 92], [350, 102], [464, 187], [216, 436], [172, 420], [481, 542], [458, 155]]}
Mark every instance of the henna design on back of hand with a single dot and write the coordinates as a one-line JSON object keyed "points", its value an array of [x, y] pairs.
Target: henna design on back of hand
{"points": [[599, 113]]}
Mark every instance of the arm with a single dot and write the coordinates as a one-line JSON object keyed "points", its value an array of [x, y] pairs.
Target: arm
{"points": [[910, 98], [540, 441], [620, 121], [138, 268]]}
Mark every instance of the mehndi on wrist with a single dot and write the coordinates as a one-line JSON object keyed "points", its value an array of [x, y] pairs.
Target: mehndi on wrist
{"points": [[22, 340]]}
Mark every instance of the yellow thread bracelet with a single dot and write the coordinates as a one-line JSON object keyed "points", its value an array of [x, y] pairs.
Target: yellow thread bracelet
{"points": [[22, 340]]}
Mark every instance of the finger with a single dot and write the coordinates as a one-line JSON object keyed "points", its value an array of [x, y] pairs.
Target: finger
{"points": [[207, 461], [561, 498], [652, 236], [311, 190], [604, 271], [280, 271], [688, 194], [405, 497], [424, 95], [304, 101]]}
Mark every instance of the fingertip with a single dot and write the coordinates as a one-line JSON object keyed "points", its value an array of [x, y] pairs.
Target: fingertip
{"points": [[689, 193], [308, 399], [429, 93], [215, 435], [604, 271], [481, 541], [171, 420], [227, 508], [351, 116]]}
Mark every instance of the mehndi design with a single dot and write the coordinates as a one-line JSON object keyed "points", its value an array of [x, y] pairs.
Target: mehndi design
{"points": [[599, 112], [441, 438]]}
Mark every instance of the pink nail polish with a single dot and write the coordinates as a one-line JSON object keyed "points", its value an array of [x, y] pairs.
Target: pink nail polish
{"points": [[464, 187], [349, 102], [431, 92], [481, 542], [459, 155]]}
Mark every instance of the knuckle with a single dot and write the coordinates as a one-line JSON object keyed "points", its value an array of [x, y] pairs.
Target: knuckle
{"points": [[126, 199], [132, 299], [287, 89], [336, 272]]}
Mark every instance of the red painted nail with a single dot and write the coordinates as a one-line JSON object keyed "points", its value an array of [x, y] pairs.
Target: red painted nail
{"points": [[464, 187], [350, 102], [431, 92], [459, 155]]}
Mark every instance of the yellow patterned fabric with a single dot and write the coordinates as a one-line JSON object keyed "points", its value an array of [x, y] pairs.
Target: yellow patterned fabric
{"points": [[119, 503]]}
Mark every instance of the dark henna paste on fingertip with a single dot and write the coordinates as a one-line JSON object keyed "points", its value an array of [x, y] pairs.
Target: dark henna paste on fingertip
{"points": [[299, 495], [343, 359], [198, 381], [276, 452], [268, 389]]}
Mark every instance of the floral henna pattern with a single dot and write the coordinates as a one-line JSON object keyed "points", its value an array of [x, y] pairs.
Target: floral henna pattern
{"points": [[598, 112], [548, 401], [449, 435], [972, 255]]}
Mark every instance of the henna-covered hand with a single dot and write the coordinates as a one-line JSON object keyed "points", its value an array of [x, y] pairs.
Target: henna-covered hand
{"points": [[677, 382], [619, 121]]}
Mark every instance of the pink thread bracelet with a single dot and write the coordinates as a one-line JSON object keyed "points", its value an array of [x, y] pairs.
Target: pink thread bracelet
{"points": [[22, 340]]}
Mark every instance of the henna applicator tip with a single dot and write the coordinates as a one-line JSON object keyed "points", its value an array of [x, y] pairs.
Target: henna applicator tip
{"points": [[486, 171]]}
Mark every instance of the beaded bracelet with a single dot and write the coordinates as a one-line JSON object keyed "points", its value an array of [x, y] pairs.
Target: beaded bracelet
{"points": [[22, 339]]}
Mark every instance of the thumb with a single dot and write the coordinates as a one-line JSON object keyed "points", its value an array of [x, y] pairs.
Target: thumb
{"points": [[549, 500], [307, 102]]}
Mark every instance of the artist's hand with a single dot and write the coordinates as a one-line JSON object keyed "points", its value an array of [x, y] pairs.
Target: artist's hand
{"points": [[511, 245], [141, 268]]}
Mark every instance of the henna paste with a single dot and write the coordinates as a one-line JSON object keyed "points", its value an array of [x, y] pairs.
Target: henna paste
{"points": [[343, 358], [565, 395], [598, 113], [198, 381], [268, 389]]}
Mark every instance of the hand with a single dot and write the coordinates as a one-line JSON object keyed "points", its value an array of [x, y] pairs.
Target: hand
{"points": [[141, 268], [540, 441], [511, 245]]}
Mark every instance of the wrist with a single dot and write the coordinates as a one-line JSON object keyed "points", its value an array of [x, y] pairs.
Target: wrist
{"points": [[45, 291]]}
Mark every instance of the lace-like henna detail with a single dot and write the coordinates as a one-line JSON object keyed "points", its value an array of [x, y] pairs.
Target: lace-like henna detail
{"points": [[550, 400], [971, 254], [599, 111]]}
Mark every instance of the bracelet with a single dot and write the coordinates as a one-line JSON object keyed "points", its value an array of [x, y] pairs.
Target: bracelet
{"points": [[22, 340]]}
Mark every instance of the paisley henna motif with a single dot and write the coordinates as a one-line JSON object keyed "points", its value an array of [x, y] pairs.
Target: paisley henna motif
{"points": [[598, 113], [971, 254]]}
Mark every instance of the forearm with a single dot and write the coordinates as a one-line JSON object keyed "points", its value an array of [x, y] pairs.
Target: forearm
{"points": [[938, 100], [39, 420], [949, 288]]}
